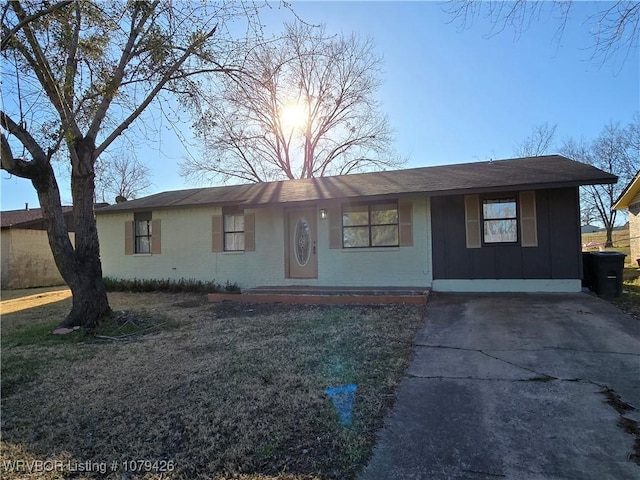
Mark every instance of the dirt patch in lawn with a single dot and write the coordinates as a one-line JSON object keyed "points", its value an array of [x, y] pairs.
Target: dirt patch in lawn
{"points": [[232, 391]]}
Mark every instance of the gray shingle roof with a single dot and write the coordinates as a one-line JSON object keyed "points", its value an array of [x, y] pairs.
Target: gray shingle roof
{"points": [[32, 217], [500, 175], [18, 218]]}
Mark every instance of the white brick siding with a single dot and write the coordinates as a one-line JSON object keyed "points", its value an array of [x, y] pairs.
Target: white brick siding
{"points": [[187, 252]]}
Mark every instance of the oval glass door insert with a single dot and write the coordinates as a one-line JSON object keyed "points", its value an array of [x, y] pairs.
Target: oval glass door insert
{"points": [[302, 241]]}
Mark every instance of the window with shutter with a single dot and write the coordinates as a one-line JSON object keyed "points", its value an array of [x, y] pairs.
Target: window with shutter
{"points": [[143, 230], [233, 231], [142, 235], [500, 220]]}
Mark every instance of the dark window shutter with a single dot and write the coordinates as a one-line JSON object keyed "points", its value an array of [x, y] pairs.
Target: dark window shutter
{"points": [[473, 221], [335, 227], [156, 237], [249, 232], [528, 222], [217, 243], [128, 237], [405, 224]]}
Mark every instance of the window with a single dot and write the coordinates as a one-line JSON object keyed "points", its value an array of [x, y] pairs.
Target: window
{"points": [[500, 220], [142, 235], [370, 225], [233, 231], [143, 232], [504, 219]]}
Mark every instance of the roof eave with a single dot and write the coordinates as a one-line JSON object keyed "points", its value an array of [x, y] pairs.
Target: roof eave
{"points": [[628, 194], [247, 203]]}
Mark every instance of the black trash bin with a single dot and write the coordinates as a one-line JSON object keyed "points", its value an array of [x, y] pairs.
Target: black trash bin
{"points": [[603, 272], [588, 270]]}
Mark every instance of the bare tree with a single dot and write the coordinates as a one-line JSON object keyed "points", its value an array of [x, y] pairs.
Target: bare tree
{"points": [[616, 151], [588, 215], [122, 176], [615, 27], [305, 108], [78, 74], [538, 143]]}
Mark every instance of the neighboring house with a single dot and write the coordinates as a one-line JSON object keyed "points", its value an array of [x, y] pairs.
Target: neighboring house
{"points": [[630, 200], [27, 260], [508, 225], [589, 229]]}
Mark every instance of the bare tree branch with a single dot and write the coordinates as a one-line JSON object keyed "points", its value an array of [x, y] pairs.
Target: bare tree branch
{"points": [[154, 92], [538, 143], [137, 25], [615, 151], [304, 106], [20, 167], [121, 176], [614, 29]]}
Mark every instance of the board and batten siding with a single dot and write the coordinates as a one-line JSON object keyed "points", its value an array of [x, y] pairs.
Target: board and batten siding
{"points": [[188, 245], [554, 252]]}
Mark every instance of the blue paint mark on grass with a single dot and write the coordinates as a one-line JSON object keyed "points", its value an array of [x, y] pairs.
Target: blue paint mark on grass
{"points": [[343, 398]]}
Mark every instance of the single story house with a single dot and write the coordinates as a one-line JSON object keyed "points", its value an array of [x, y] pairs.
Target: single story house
{"points": [[27, 260], [630, 200], [507, 225]]}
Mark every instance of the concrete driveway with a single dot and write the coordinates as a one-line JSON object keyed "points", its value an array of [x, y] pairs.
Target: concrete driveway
{"points": [[517, 386]]}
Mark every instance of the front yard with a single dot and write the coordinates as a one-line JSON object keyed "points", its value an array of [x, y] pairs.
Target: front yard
{"points": [[215, 391]]}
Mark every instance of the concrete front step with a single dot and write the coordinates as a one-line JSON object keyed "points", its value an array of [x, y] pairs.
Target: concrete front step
{"points": [[369, 291], [327, 295]]}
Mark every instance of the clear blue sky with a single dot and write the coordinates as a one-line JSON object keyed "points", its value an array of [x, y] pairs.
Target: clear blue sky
{"points": [[452, 96]]}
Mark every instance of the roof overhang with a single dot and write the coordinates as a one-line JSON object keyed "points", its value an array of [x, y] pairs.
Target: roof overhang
{"points": [[629, 193]]}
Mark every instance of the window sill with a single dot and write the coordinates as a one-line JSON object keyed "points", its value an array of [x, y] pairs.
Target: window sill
{"points": [[501, 244], [143, 254], [232, 252], [370, 249]]}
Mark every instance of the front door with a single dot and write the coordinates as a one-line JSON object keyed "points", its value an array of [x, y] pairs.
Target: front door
{"points": [[302, 256]]}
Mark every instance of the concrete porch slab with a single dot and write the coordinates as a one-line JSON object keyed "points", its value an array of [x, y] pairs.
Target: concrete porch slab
{"points": [[327, 295]]}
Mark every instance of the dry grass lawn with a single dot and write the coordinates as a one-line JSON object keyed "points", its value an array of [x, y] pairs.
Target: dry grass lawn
{"points": [[629, 302], [228, 391]]}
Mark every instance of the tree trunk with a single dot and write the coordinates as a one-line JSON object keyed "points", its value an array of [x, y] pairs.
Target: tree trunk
{"points": [[90, 303], [609, 241], [80, 267]]}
